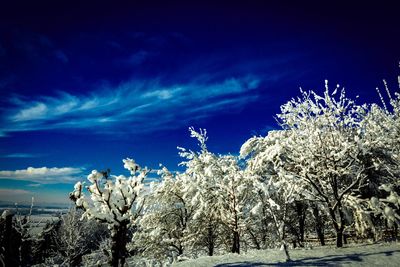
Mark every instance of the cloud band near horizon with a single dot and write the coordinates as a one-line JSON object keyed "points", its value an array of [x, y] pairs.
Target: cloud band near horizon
{"points": [[44, 175]]}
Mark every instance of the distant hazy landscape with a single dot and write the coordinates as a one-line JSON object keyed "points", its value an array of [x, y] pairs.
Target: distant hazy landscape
{"points": [[36, 210]]}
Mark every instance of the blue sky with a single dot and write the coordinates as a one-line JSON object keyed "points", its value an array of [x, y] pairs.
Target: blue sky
{"points": [[85, 85]]}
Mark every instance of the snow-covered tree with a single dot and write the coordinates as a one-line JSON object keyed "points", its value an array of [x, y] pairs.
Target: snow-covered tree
{"points": [[163, 227], [275, 188], [47, 242], [234, 189], [379, 197], [382, 135], [192, 211], [114, 200], [72, 237], [322, 147], [76, 238], [28, 239], [326, 145], [181, 212], [221, 197], [204, 171]]}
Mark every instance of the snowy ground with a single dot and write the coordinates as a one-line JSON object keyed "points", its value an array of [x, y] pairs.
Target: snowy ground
{"points": [[387, 254]]}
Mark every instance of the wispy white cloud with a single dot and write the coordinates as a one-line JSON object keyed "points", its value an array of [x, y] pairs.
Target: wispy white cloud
{"points": [[34, 185], [44, 175], [36, 111], [135, 106], [20, 155]]}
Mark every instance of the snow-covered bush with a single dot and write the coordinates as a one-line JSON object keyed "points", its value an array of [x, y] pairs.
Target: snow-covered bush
{"points": [[114, 200]]}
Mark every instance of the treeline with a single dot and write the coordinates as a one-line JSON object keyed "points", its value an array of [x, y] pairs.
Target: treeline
{"points": [[331, 170]]}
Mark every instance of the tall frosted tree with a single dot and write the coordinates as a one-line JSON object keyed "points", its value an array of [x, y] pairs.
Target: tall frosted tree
{"points": [[379, 198], [208, 172], [202, 167], [222, 194], [326, 144], [323, 147], [275, 189], [168, 211], [234, 189]]}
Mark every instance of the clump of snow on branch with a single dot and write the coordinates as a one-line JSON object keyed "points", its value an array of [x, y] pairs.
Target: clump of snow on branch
{"points": [[113, 199]]}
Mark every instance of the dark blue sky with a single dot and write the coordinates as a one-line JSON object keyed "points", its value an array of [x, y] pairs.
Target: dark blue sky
{"points": [[85, 85]]}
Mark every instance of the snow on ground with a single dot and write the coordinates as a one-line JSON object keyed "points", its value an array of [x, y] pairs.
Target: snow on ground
{"points": [[385, 254]]}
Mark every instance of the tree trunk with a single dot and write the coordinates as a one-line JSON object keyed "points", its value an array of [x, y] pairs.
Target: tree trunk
{"points": [[285, 249], [339, 228], [321, 236], [345, 238], [210, 249], [301, 208], [282, 233], [319, 225], [254, 239], [180, 250], [236, 243], [339, 238], [211, 238], [118, 245]]}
